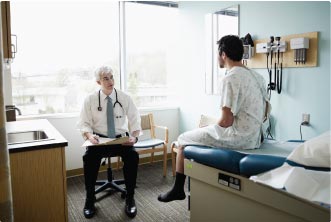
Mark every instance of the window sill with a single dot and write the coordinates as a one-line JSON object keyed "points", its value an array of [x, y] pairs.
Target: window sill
{"points": [[157, 108], [76, 114]]}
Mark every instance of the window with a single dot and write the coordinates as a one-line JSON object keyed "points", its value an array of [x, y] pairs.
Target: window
{"points": [[218, 24], [150, 35], [61, 43]]}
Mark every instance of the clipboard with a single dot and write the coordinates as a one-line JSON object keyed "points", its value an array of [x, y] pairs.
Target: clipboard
{"points": [[107, 141]]}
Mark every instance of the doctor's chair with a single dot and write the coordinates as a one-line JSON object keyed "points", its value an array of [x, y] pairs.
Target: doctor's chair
{"points": [[110, 183], [149, 143]]}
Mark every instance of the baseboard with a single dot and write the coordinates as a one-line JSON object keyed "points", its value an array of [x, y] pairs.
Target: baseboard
{"points": [[143, 160]]}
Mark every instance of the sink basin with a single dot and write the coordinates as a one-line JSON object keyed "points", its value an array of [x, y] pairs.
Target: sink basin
{"points": [[27, 137]]}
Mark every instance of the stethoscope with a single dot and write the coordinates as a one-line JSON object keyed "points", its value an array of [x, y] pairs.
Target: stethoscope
{"points": [[116, 102]]}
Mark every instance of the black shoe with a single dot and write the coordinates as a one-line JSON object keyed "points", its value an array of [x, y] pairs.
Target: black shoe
{"points": [[130, 207], [172, 195], [89, 209]]}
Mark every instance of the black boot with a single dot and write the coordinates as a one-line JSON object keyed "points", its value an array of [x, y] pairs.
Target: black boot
{"points": [[177, 191]]}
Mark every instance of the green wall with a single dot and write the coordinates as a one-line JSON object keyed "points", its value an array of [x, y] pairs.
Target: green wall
{"points": [[305, 90]]}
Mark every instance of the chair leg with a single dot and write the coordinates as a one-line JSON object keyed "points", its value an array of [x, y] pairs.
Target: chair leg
{"points": [[173, 159], [165, 160], [152, 156]]}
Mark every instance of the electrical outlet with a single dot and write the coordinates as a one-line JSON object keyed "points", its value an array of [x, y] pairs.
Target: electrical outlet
{"points": [[305, 119]]}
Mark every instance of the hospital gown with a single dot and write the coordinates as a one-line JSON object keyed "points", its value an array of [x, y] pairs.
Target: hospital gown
{"points": [[243, 91]]}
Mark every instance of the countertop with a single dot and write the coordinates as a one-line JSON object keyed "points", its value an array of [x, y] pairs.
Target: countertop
{"points": [[55, 138]]}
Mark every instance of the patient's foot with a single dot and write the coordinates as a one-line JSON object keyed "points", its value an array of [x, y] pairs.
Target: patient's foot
{"points": [[172, 195]]}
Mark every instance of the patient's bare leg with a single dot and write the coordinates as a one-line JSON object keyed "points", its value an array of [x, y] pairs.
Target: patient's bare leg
{"points": [[177, 191], [180, 160]]}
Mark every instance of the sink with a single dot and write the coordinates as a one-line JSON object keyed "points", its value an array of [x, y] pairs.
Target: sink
{"points": [[27, 137]]}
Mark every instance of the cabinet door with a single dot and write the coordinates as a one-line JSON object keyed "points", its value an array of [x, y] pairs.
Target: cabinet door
{"points": [[39, 185]]}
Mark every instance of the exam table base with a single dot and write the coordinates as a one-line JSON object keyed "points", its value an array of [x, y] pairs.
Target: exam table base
{"points": [[211, 201]]}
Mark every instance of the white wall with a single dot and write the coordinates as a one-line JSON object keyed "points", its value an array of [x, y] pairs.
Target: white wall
{"points": [[74, 152]]}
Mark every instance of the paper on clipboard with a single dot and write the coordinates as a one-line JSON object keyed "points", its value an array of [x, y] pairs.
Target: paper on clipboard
{"points": [[106, 141]]}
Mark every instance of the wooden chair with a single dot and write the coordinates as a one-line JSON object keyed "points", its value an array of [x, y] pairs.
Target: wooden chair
{"points": [[204, 121], [149, 143]]}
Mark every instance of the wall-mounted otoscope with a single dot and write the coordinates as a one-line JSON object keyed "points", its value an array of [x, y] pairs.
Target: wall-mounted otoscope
{"points": [[275, 49], [279, 67], [272, 84]]}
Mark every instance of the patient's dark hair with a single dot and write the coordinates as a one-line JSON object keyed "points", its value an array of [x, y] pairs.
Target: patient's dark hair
{"points": [[232, 46]]}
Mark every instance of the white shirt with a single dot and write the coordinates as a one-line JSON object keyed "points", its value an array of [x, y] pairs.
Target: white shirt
{"points": [[93, 120]]}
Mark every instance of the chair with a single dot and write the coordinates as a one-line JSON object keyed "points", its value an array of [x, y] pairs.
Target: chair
{"points": [[149, 143], [110, 183], [204, 121]]}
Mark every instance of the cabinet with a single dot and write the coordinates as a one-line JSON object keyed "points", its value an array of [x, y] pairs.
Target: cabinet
{"points": [[38, 174], [39, 185], [6, 30]]}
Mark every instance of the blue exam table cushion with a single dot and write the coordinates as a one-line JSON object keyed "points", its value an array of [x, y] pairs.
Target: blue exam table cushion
{"points": [[270, 155], [254, 164], [223, 159]]}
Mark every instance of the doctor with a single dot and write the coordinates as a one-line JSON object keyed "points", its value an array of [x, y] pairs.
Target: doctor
{"points": [[107, 112]]}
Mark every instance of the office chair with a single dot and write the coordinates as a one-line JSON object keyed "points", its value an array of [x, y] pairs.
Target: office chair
{"points": [[110, 183]]}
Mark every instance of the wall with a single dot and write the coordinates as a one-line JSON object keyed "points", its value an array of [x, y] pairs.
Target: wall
{"points": [[305, 90]]}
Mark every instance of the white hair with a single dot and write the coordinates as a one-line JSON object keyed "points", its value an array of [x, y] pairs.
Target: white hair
{"points": [[102, 70]]}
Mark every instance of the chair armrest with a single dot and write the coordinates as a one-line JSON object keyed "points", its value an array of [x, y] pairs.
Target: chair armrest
{"points": [[166, 132]]}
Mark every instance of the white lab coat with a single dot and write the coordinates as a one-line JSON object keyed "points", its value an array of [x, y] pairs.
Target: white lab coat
{"points": [[93, 120]]}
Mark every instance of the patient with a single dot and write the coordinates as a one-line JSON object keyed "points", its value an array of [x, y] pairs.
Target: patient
{"points": [[243, 108]]}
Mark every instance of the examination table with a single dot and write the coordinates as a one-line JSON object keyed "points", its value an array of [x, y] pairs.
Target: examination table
{"points": [[220, 188]]}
